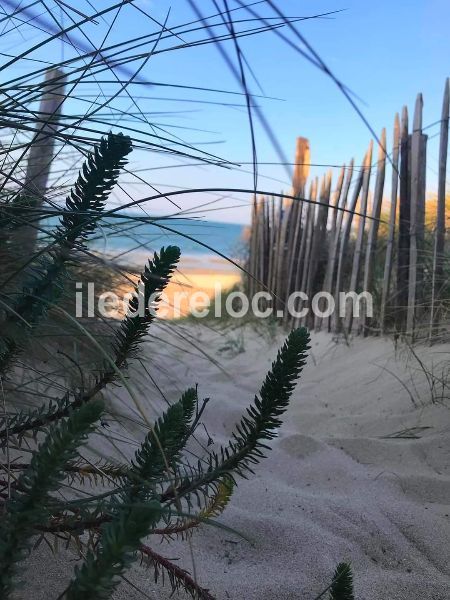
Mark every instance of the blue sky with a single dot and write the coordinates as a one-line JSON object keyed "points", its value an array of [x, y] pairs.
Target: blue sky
{"points": [[383, 51]]}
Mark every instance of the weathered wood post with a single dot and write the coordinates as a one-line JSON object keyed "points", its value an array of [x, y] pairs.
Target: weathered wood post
{"points": [[276, 247], [272, 242], [335, 221], [262, 245], [281, 266], [354, 279], [438, 257], [301, 277], [373, 230], [403, 223], [391, 230], [301, 173], [42, 147], [40, 156], [345, 236], [417, 218], [334, 205], [252, 265], [312, 218], [334, 241], [302, 166], [318, 241]]}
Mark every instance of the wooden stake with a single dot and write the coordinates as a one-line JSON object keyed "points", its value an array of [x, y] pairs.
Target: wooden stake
{"points": [[305, 246], [334, 240], [41, 154], [272, 241], [276, 248], [438, 257], [392, 216], [252, 264], [373, 229], [334, 205], [404, 223], [347, 224], [335, 220], [301, 173], [354, 279], [417, 222], [302, 166]]}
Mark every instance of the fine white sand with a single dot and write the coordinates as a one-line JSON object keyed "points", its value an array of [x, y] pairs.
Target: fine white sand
{"points": [[333, 488]]}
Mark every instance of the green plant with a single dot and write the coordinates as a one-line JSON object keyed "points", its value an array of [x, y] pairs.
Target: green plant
{"points": [[342, 585], [45, 277], [158, 493], [28, 504]]}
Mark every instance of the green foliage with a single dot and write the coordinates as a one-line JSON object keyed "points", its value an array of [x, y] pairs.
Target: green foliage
{"points": [[45, 278], [34, 418], [96, 180], [342, 586], [119, 539], [162, 446], [261, 421], [135, 325], [124, 346], [14, 212], [153, 494], [27, 506]]}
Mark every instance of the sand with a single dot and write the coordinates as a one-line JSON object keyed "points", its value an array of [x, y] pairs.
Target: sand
{"points": [[334, 487], [196, 279]]}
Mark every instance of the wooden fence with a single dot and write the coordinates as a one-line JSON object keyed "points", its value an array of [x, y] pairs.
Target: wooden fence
{"points": [[350, 236]]}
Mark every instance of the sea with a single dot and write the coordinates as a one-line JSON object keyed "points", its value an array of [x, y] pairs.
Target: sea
{"points": [[129, 240]]}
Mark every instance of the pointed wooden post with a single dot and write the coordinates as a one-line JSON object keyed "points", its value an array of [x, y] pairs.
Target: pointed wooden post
{"points": [[302, 166], [391, 230], [328, 241], [305, 246], [417, 218], [266, 235], [438, 258], [42, 147], [272, 242], [312, 219], [294, 251], [41, 154], [318, 243], [301, 173], [347, 224], [276, 248], [403, 223], [334, 206], [262, 246], [354, 279], [373, 229], [307, 211], [281, 266], [252, 264], [334, 241]]}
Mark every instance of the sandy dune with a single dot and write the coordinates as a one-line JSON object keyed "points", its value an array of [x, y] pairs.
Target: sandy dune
{"points": [[207, 275], [334, 487]]}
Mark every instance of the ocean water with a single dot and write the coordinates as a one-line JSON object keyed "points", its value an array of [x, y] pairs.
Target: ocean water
{"points": [[128, 240]]}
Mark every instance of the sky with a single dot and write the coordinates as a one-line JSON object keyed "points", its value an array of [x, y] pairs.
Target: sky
{"points": [[385, 52]]}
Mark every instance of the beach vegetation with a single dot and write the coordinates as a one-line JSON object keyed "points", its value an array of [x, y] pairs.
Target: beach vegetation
{"points": [[158, 492]]}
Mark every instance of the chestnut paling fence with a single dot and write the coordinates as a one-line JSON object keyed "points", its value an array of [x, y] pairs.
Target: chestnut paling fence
{"points": [[359, 233]]}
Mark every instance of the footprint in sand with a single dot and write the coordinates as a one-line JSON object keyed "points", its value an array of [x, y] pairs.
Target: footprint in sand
{"points": [[300, 446]]}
